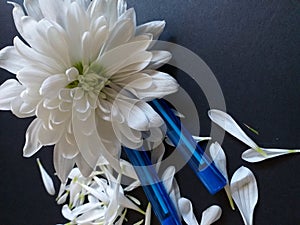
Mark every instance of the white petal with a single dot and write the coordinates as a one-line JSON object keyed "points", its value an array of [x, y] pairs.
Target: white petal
{"points": [[47, 180], [33, 9], [199, 139], [186, 210], [253, 156], [32, 144], [67, 213], [245, 193], [62, 165], [148, 215], [159, 58], [11, 60], [218, 156], [90, 216], [9, 90], [51, 9], [51, 86], [18, 14], [226, 122], [117, 58], [168, 177], [126, 203], [211, 215], [112, 212], [155, 28], [120, 34]]}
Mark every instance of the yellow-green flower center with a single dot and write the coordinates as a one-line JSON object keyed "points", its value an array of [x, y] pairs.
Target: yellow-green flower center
{"points": [[90, 78]]}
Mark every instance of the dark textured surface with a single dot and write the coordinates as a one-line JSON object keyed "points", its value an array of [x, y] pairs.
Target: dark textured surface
{"points": [[253, 49]]}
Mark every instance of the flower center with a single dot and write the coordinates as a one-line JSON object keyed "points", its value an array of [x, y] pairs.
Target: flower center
{"points": [[90, 78]]}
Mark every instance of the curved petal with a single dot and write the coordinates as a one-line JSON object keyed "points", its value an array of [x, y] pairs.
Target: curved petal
{"points": [[9, 90], [33, 9], [186, 210], [244, 192], [32, 144], [11, 60], [211, 215], [62, 165], [253, 156], [47, 180], [155, 28], [227, 123]]}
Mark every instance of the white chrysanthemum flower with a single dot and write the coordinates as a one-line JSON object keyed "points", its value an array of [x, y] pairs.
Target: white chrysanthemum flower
{"points": [[85, 71]]}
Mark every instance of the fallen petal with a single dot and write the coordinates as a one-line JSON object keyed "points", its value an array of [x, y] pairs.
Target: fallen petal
{"points": [[218, 156], [186, 211], [245, 193], [211, 215], [253, 156], [48, 183], [227, 123]]}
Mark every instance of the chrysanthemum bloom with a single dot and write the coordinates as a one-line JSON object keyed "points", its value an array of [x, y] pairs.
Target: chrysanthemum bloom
{"points": [[85, 72]]}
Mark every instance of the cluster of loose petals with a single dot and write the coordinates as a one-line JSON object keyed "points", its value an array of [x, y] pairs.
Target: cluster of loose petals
{"points": [[99, 198], [86, 72]]}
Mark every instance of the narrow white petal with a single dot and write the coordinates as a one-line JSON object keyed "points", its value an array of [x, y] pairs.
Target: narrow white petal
{"points": [[211, 215], [226, 122], [148, 215], [155, 28], [62, 199], [126, 203], [199, 139], [159, 58], [47, 180], [90, 216], [245, 193], [62, 165], [186, 210], [253, 156], [121, 33], [67, 213], [33, 9], [168, 177], [218, 156], [18, 14], [32, 144], [117, 58]]}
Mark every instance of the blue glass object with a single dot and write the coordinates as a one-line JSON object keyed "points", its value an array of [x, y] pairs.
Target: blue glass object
{"points": [[200, 163], [154, 189]]}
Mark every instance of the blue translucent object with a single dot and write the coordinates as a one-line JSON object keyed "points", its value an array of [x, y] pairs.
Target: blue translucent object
{"points": [[200, 163], [155, 191]]}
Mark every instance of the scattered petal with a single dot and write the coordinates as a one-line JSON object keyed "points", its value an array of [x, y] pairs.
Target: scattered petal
{"points": [[48, 182], [186, 211], [219, 158], [244, 192], [227, 123], [211, 215], [253, 156]]}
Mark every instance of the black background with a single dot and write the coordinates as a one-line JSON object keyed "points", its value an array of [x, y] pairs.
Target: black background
{"points": [[253, 49]]}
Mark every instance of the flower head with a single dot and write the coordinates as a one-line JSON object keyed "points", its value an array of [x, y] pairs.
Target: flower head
{"points": [[85, 71]]}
